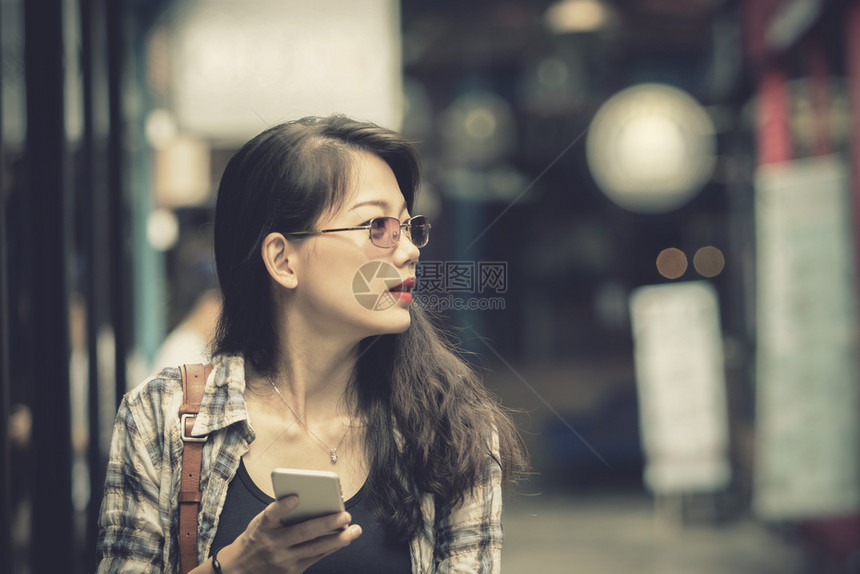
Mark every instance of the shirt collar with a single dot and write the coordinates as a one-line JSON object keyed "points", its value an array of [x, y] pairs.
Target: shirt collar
{"points": [[223, 397]]}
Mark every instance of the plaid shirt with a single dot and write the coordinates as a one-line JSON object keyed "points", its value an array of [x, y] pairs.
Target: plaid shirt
{"points": [[139, 518]]}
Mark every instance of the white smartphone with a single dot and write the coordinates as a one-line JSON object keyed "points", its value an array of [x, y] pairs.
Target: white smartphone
{"points": [[318, 491]]}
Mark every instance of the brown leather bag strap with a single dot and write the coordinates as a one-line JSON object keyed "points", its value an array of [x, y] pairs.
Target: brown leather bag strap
{"points": [[193, 382]]}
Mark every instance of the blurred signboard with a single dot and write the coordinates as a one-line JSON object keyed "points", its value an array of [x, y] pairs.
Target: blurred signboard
{"points": [[807, 388], [240, 67], [681, 383]]}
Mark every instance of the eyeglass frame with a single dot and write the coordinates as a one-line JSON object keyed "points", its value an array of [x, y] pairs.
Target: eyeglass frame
{"points": [[404, 225]]}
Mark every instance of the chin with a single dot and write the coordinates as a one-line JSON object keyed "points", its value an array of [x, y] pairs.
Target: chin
{"points": [[399, 325], [393, 322]]}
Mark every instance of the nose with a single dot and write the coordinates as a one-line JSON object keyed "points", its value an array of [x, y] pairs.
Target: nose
{"points": [[405, 251]]}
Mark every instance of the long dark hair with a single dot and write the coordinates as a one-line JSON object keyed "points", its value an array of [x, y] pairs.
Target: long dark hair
{"points": [[284, 180]]}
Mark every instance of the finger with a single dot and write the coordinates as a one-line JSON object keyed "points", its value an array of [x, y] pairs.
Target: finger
{"points": [[322, 546], [277, 510], [314, 528]]}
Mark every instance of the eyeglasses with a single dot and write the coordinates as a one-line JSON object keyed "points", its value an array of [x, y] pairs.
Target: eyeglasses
{"points": [[385, 231]]}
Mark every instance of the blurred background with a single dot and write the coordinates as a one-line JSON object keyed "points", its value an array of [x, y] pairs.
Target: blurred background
{"points": [[644, 229]]}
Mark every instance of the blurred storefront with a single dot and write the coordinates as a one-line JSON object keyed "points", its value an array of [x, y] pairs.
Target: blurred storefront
{"points": [[646, 231]]}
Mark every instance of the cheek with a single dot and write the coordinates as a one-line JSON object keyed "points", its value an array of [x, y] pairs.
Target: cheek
{"points": [[337, 271], [333, 274]]}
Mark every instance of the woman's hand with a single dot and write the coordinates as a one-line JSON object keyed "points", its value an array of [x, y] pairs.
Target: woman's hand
{"points": [[269, 546]]}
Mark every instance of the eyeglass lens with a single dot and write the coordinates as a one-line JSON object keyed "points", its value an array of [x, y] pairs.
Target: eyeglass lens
{"points": [[419, 231], [385, 231]]}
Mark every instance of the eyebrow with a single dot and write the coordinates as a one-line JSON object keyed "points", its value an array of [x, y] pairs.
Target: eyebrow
{"points": [[378, 202]]}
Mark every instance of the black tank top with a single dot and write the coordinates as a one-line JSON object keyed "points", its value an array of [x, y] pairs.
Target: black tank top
{"points": [[371, 553]]}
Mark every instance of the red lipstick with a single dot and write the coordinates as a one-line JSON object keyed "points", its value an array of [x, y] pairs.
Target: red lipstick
{"points": [[403, 291]]}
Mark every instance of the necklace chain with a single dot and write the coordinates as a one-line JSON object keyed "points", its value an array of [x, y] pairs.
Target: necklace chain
{"points": [[332, 451]]}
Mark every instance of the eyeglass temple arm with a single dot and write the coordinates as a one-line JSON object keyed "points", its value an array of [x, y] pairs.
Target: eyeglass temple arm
{"points": [[317, 231], [408, 224]]}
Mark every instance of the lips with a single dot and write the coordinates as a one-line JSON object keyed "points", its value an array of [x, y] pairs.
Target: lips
{"points": [[403, 290], [404, 287]]}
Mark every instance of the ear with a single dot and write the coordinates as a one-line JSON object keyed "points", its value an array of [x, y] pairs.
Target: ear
{"points": [[280, 258]]}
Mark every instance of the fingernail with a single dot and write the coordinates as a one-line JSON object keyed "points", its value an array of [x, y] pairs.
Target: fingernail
{"points": [[292, 501]]}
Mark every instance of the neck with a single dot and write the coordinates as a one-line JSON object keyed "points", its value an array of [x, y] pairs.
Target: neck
{"points": [[313, 372]]}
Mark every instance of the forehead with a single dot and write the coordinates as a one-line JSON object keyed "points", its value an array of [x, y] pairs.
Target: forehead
{"points": [[374, 185]]}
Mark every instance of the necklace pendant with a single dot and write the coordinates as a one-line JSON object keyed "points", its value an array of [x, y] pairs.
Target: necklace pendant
{"points": [[333, 452]]}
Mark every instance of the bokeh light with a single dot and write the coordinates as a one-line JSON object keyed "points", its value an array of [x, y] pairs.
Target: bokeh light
{"points": [[671, 263], [160, 128], [709, 261], [478, 128], [651, 148], [162, 229], [571, 16]]}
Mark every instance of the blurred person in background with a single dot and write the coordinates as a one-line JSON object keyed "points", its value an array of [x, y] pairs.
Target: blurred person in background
{"points": [[374, 392], [188, 342], [197, 301]]}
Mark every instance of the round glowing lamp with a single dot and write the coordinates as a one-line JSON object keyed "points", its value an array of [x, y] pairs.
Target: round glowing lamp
{"points": [[651, 148]]}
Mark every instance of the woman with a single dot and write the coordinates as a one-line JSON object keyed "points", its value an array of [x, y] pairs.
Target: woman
{"points": [[318, 364]]}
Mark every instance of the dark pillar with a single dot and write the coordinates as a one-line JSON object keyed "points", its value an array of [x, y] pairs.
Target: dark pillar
{"points": [[52, 542], [95, 226], [119, 241]]}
